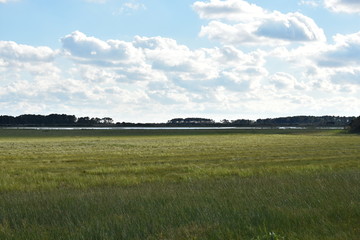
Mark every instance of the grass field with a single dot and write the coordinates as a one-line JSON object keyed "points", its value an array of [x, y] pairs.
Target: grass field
{"points": [[179, 184]]}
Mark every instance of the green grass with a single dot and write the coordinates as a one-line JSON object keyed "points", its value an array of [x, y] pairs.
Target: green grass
{"points": [[188, 184]]}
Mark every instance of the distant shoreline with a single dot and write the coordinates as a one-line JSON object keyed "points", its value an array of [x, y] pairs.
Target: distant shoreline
{"points": [[172, 128], [71, 121]]}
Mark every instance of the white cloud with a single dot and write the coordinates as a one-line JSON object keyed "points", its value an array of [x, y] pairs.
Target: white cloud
{"points": [[283, 80], [324, 69], [346, 77], [130, 7], [234, 10], [290, 27], [18, 52], [344, 53], [229, 34], [311, 3], [19, 62], [163, 52], [167, 72], [346, 6], [243, 78], [166, 55], [3, 63], [130, 78], [253, 24], [105, 53]]}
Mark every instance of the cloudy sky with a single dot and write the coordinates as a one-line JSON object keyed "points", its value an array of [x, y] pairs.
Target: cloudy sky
{"points": [[153, 60]]}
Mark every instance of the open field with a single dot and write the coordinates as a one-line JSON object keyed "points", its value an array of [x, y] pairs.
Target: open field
{"points": [[179, 184]]}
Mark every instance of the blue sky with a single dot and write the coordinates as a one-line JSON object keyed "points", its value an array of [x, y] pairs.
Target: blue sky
{"points": [[150, 61]]}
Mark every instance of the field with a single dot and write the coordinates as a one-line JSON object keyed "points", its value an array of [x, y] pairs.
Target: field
{"points": [[179, 184]]}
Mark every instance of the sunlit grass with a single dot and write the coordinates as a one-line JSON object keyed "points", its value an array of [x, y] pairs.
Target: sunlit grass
{"points": [[36, 163], [219, 184]]}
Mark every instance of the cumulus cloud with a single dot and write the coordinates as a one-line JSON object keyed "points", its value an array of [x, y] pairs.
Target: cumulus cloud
{"points": [[290, 27], [163, 66], [229, 34], [155, 58], [346, 6], [252, 24], [168, 73], [91, 49], [131, 77], [19, 61], [283, 80], [235, 10], [344, 53], [331, 68], [163, 52], [18, 52], [343, 77], [167, 55], [287, 82]]}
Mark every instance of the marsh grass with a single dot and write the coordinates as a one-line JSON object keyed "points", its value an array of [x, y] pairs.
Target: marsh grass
{"points": [[311, 206], [179, 185]]}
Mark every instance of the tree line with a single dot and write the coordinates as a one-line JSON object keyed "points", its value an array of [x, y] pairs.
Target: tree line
{"points": [[52, 120], [296, 121], [72, 120], [329, 121]]}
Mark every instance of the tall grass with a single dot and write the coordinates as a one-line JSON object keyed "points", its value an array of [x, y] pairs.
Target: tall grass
{"points": [[312, 206], [48, 162], [205, 185]]}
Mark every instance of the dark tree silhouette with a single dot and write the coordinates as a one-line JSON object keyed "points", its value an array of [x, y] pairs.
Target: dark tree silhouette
{"points": [[355, 125]]}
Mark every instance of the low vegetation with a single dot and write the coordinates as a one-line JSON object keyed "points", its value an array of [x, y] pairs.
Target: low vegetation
{"points": [[179, 184]]}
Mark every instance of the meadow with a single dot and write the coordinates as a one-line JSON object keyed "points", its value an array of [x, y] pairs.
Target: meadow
{"points": [[179, 184]]}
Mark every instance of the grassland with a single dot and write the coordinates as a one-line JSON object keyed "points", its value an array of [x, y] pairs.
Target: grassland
{"points": [[177, 184]]}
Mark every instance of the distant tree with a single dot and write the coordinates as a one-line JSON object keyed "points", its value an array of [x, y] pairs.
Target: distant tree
{"points": [[30, 119], [191, 121], [107, 120], [83, 120], [355, 125], [60, 119], [242, 122], [7, 120], [95, 120], [305, 121], [198, 120], [176, 121]]}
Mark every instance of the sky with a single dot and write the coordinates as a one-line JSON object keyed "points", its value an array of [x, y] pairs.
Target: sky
{"points": [[154, 60]]}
